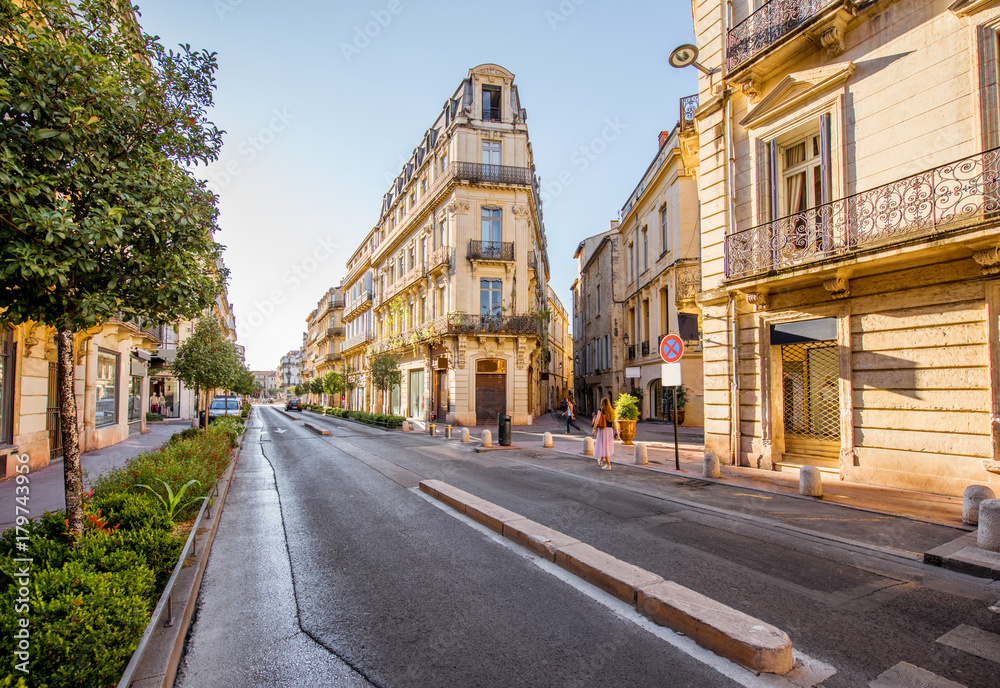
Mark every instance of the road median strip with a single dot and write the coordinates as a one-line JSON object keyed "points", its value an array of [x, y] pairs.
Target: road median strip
{"points": [[728, 632], [315, 428]]}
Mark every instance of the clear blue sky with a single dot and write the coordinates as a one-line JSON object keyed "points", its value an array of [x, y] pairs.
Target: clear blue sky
{"points": [[322, 103]]}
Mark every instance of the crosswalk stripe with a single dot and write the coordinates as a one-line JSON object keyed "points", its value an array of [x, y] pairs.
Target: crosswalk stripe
{"points": [[905, 675], [973, 640]]}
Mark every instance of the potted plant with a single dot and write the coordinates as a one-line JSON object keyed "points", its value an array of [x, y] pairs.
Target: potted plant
{"points": [[627, 413], [683, 396]]}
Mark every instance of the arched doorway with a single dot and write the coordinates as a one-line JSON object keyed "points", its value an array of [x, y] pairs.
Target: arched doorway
{"points": [[491, 390], [656, 403]]}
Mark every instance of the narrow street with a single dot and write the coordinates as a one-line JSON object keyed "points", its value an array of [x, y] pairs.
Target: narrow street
{"points": [[330, 569]]}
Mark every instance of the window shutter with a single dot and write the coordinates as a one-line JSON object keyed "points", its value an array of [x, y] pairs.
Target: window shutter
{"points": [[767, 196], [989, 104], [825, 158]]}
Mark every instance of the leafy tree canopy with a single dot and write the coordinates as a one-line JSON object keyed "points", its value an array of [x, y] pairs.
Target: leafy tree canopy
{"points": [[385, 371], [208, 359]]}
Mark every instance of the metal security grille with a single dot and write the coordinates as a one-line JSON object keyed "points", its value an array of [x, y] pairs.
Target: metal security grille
{"points": [[810, 374]]}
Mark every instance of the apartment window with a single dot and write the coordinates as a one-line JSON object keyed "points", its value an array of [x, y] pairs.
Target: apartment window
{"points": [[443, 239], [491, 153], [664, 243], [793, 174], [423, 251], [411, 257], [423, 185], [631, 263], [413, 199], [401, 266], [598, 299], [6, 386], [645, 250], [491, 103], [492, 228], [444, 161], [392, 274], [107, 389], [490, 297], [590, 308]]}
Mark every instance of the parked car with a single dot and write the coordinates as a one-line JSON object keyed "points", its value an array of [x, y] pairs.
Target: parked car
{"points": [[293, 405], [224, 406]]}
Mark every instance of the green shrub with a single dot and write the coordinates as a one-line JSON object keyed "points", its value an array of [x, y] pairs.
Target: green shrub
{"points": [[155, 417], [85, 624], [131, 511], [184, 435]]}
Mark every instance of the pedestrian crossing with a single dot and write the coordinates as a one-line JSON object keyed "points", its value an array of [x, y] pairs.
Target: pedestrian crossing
{"points": [[969, 639]]}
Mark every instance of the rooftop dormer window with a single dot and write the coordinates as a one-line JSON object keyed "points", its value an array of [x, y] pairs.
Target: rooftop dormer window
{"points": [[491, 103]]}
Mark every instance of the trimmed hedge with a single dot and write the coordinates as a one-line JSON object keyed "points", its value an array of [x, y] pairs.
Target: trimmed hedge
{"points": [[91, 599]]}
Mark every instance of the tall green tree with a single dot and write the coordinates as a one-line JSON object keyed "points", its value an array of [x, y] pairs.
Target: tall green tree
{"points": [[385, 374], [100, 216], [333, 383], [244, 382], [208, 360]]}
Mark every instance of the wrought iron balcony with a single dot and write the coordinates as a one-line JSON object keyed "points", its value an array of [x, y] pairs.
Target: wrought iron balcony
{"points": [[337, 301], [357, 340], [645, 348], [630, 352], [765, 27], [491, 250], [688, 105], [961, 194], [500, 174], [462, 323], [533, 260], [442, 256]]}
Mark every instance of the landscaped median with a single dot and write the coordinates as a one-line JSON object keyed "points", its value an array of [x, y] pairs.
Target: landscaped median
{"points": [[730, 633], [382, 420], [88, 599]]}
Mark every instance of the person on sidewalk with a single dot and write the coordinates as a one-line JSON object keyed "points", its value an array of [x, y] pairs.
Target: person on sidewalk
{"points": [[606, 426], [570, 416]]}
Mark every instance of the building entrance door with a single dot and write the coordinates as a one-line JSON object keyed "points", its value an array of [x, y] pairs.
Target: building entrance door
{"points": [[53, 416], [811, 395], [441, 402], [491, 390]]}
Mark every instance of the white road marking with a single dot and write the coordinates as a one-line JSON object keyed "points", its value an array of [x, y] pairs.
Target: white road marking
{"points": [[973, 640], [807, 672], [280, 431], [905, 675]]}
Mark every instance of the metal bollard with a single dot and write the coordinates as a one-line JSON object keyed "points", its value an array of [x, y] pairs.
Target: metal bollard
{"points": [[431, 429], [447, 432]]}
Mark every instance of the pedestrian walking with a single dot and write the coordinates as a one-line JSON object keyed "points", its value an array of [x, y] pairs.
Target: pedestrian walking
{"points": [[570, 416], [606, 427]]}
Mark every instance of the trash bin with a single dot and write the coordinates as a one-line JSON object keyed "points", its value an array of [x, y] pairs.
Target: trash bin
{"points": [[503, 432]]}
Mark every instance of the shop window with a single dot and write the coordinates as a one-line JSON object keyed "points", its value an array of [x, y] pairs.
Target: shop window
{"points": [[107, 389], [135, 399]]}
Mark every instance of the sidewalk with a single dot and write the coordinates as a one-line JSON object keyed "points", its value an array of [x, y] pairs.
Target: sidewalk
{"points": [[47, 492]]}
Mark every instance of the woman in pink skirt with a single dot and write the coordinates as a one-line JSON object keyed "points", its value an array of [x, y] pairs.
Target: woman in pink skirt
{"points": [[606, 426]]}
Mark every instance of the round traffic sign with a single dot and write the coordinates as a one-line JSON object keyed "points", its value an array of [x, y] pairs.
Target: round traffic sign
{"points": [[671, 348]]}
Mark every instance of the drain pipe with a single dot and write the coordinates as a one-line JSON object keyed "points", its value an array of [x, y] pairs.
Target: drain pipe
{"points": [[736, 434]]}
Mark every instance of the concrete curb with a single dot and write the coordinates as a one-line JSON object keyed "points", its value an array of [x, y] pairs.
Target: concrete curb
{"points": [[964, 556], [159, 665], [728, 632], [315, 428], [286, 413]]}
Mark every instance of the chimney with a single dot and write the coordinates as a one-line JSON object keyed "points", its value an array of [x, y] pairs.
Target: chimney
{"points": [[664, 135], [614, 224]]}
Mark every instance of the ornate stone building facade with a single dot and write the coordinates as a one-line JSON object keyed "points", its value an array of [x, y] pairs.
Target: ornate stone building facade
{"points": [[849, 194]]}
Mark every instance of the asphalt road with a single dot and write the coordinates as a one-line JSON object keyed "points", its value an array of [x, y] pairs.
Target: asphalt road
{"points": [[329, 569]]}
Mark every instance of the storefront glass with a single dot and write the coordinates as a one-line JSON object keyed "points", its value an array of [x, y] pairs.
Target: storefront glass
{"points": [[164, 398], [107, 389], [135, 400], [416, 409]]}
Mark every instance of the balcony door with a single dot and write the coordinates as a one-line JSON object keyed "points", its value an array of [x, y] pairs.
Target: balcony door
{"points": [[491, 159], [491, 232]]}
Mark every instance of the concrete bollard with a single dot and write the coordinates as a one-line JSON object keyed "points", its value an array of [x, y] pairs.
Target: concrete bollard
{"points": [[487, 438], [465, 435], [406, 426], [588, 446], [711, 468], [971, 499], [988, 536], [547, 440], [640, 454], [810, 482], [447, 432]]}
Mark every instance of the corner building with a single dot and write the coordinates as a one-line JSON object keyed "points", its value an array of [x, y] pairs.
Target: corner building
{"points": [[850, 193], [452, 280]]}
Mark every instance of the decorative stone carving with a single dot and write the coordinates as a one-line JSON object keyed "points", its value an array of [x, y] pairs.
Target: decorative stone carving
{"points": [[989, 259], [758, 301], [839, 287], [833, 40], [30, 340], [521, 211], [751, 89], [460, 356], [522, 350]]}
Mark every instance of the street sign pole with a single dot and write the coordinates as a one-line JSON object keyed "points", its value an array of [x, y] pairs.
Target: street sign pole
{"points": [[677, 455]]}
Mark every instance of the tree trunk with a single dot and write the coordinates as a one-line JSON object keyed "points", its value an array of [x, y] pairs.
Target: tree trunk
{"points": [[72, 473]]}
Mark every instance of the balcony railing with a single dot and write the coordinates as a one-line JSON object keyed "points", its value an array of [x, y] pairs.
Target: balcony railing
{"points": [[630, 352], [767, 26], [337, 302], [363, 301], [688, 105], [959, 194], [334, 357], [491, 250], [533, 260], [357, 340], [501, 174], [645, 348], [442, 256]]}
